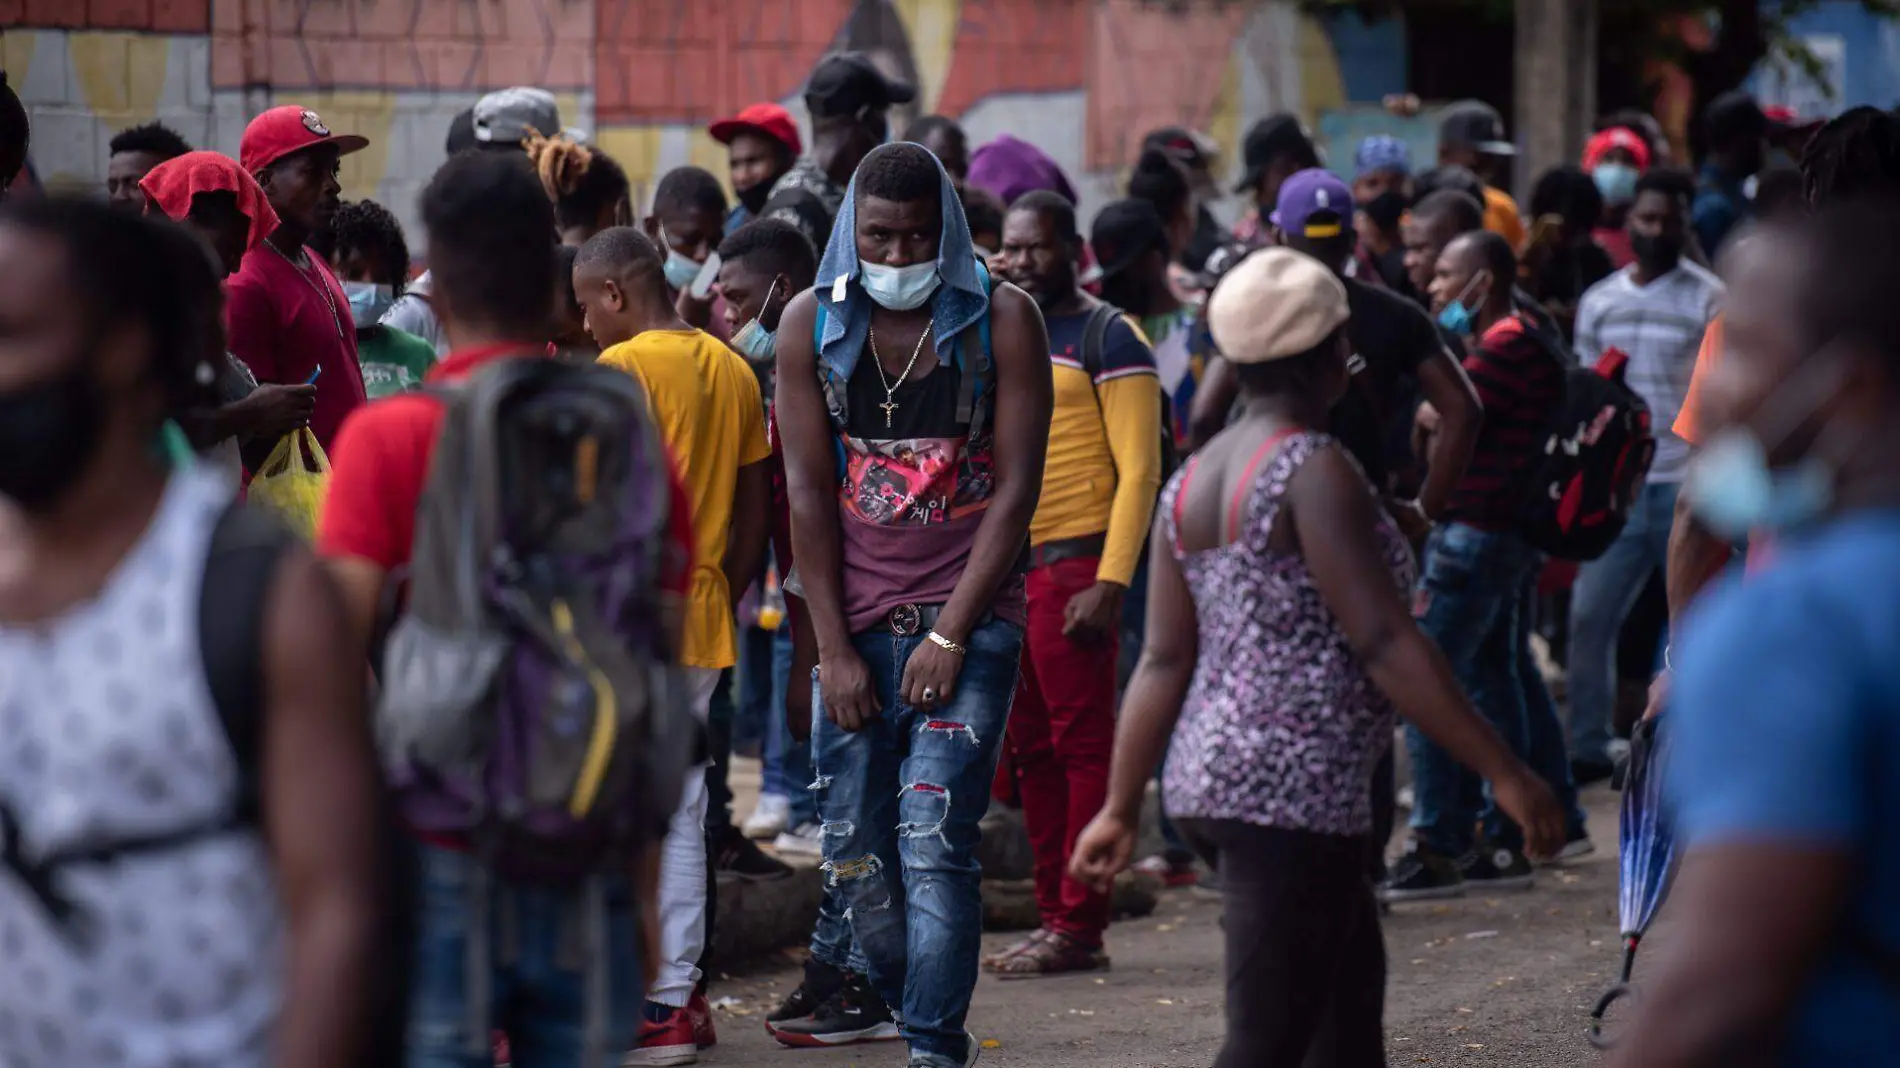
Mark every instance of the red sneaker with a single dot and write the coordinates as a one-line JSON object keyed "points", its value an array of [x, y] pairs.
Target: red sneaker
{"points": [[700, 1010], [502, 1057], [668, 1042], [1172, 874]]}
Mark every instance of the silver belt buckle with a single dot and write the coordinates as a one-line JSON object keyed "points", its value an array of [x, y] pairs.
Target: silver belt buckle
{"points": [[906, 620]]}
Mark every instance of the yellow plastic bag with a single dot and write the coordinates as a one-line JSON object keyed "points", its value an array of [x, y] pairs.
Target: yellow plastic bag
{"points": [[293, 481]]}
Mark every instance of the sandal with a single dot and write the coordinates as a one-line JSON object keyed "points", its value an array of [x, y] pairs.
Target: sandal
{"points": [[1055, 954], [994, 961]]}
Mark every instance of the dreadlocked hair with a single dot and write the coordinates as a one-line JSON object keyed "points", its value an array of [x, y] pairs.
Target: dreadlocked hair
{"points": [[1856, 155], [581, 180]]}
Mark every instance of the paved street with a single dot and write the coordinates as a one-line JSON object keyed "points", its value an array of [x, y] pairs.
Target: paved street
{"points": [[1504, 980]]}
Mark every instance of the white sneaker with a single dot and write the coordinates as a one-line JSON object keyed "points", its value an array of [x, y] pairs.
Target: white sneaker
{"points": [[804, 840], [768, 818]]}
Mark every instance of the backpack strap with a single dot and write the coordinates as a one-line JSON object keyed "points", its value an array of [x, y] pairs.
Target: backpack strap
{"points": [[1095, 339], [246, 548], [976, 387]]}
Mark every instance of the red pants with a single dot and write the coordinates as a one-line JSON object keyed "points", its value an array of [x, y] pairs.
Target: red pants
{"points": [[1061, 731]]}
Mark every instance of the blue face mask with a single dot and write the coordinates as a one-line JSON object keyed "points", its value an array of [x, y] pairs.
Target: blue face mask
{"points": [[1456, 317], [680, 270], [753, 340], [368, 302], [1734, 491], [1616, 181], [899, 288], [1732, 488]]}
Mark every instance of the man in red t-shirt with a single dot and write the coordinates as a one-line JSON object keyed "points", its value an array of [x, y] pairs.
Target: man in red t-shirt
{"points": [[491, 233], [287, 317]]}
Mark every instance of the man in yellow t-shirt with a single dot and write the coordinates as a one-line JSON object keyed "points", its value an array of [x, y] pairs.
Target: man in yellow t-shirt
{"points": [[1471, 135], [706, 403]]}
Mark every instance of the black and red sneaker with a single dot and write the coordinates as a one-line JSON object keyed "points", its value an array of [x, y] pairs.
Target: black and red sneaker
{"points": [[853, 1013], [820, 982]]}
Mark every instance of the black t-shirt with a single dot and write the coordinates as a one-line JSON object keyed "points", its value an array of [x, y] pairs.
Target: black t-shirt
{"points": [[1390, 337]]}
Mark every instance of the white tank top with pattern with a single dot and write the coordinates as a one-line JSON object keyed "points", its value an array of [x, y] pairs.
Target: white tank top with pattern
{"points": [[171, 958]]}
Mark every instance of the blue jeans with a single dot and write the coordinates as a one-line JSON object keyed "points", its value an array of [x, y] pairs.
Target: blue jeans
{"points": [[536, 986], [901, 800], [1606, 590], [1475, 596]]}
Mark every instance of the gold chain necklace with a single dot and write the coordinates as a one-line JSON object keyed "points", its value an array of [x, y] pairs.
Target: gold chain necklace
{"points": [[890, 388], [316, 284]]}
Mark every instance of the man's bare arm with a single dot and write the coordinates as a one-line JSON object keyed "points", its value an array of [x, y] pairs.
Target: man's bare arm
{"points": [[1695, 557], [1025, 398]]}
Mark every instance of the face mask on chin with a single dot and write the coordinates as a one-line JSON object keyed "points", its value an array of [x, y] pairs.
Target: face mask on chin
{"points": [[680, 270], [1456, 316], [1732, 487], [49, 432], [754, 199], [753, 341]]}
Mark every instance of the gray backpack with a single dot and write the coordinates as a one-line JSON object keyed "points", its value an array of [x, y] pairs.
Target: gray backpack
{"points": [[531, 706]]}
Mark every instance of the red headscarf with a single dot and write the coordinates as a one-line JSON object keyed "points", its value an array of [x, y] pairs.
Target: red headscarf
{"points": [[171, 185]]}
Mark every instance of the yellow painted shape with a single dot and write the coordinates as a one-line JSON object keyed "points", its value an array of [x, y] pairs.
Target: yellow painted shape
{"points": [[932, 26], [366, 114], [637, 150], [1224, 118], [120, 74], [703, 151], [1322, 86], [16, 54]]}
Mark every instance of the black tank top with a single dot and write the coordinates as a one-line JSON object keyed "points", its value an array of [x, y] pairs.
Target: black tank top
{"points": [[926, 407]]}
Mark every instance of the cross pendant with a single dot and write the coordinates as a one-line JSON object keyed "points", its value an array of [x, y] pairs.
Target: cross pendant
{"points": [[889, 406]]}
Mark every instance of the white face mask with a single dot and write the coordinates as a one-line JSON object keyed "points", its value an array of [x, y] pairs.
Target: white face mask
{"points": [[899, 288]]}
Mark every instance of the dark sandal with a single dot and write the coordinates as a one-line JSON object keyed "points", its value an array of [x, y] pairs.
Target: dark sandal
{"points": [[994, 961], [1055, 954]]}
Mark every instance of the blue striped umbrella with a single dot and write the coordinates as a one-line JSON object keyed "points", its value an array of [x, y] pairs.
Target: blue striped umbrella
{"points": [[1648, 857]]}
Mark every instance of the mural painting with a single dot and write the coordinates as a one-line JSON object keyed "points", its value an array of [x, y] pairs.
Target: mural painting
{"points": [[644, 77]]}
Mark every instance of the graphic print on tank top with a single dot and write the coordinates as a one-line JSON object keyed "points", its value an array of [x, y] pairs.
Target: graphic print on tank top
{"points": [[922, 469], [911, 497]]}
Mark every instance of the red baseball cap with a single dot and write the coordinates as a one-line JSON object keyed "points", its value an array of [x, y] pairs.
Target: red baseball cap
{"points": [[283, 130], [769, 119], [1603, 142]]}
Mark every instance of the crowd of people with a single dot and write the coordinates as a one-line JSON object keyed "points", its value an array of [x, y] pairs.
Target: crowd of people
{"points": [[943, 499]]}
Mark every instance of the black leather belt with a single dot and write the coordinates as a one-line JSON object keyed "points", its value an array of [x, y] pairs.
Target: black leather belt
{"points": [[911, 620], [1052, 552]]}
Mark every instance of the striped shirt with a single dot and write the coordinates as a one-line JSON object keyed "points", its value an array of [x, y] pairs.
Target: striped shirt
{"points": [[1519, 381], [1660, 327]]}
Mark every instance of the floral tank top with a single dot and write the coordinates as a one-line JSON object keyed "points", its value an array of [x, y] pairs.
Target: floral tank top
{"points": [[1282, 727]]}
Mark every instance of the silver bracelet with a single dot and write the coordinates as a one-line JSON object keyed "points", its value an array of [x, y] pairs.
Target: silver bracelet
{"points": [[946, 643]]}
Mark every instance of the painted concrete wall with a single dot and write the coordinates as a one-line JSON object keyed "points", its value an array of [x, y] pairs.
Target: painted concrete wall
{"points": [[1082, 78]]}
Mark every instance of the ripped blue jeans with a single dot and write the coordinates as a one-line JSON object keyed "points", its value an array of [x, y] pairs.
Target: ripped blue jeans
{"points": [[900, 801]]}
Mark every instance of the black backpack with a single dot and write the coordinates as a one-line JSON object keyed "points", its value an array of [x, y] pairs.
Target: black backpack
{"points": [[1594, 458], [1094, 351]]}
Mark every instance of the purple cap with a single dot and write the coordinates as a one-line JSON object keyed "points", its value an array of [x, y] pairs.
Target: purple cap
{"points": [[1313, 203], [1010, 167]]}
